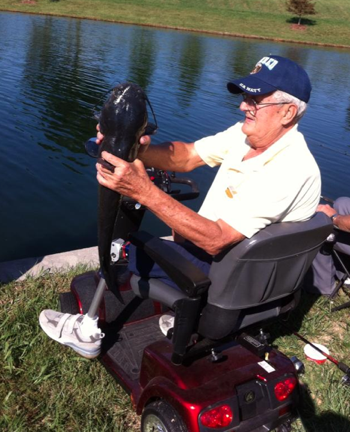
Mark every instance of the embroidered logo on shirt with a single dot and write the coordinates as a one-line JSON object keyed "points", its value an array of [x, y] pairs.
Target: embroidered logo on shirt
{"points": [[230, 191], [235, 178]]}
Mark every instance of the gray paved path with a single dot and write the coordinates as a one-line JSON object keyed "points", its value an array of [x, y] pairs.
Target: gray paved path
{"points": [[20, 269]]}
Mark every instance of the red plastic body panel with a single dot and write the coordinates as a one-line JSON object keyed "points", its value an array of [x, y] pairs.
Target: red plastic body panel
{"points": [[190, 389]]}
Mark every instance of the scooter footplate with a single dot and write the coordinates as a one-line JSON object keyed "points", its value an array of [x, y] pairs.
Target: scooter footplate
{"points": [[127, 352]]}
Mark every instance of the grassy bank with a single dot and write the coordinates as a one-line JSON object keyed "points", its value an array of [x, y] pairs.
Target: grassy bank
{"points": [[264, 19], [45, 386]]}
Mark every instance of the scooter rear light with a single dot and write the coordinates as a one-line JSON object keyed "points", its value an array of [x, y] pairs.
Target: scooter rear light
{"points": [[284, 388], [218, 417]]}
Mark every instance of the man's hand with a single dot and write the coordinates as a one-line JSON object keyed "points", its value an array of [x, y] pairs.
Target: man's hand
{"points": [[129, 179], [341, 221], [99, 136], [327, 209]]}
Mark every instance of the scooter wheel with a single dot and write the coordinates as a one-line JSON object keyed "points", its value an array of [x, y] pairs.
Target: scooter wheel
{"points": [[161, 417], [68, 303]]}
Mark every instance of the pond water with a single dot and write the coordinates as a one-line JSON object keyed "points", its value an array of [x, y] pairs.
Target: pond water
{"points": [[55, 71]]}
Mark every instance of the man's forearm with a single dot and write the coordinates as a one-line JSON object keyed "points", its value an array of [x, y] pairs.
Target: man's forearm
{"points": [[342, 222], [208, 235], [171, 156]]}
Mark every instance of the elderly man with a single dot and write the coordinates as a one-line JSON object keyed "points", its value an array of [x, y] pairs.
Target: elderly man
{"points": [[267, 174]]}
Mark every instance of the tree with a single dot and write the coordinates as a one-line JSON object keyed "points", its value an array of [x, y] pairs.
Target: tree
{"points": [[301, 8]]}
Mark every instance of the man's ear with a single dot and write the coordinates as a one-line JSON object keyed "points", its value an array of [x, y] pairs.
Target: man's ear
{"points": [[290, 112]]}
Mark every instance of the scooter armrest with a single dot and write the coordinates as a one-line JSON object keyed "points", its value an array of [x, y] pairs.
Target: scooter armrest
{"points": [[185, 274]]}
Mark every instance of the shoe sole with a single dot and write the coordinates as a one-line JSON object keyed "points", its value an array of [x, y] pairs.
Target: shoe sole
{"points": [[84, 353]]}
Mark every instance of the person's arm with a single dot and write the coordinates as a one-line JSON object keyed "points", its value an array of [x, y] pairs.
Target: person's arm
{"points": [[213, 237], [340, 221], [169, 156], [131, 179]]}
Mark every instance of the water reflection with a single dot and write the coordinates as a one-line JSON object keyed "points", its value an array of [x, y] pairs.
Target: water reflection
{"points": [[59, 84], [240, 59], [142, 57], [191, 60], [348, 118], [55, 71]]}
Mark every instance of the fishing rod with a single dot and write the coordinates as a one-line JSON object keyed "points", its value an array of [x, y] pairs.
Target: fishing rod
{"points": [[329, 200], [340, 365]]}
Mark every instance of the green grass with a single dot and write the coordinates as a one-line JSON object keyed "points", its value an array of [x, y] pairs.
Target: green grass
{"points": [[43, 385], [47, 387], [260, 18]]}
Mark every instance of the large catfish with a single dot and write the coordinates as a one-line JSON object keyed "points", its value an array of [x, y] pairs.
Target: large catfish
{"points": [[123, 121]]}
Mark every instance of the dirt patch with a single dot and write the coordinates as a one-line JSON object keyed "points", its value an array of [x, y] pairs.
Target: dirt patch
{"points": [[298, 27], [33, 2]]}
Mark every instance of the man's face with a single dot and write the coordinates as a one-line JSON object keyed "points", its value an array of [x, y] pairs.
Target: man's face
{"points": [[263, 123]]}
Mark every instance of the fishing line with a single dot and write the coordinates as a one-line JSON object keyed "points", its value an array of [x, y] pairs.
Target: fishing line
{"points": [[154, 116], [329, 200]]}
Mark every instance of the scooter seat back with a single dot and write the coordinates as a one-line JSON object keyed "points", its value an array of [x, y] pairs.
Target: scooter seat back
{"points": [[269, 266], [260, 278]]}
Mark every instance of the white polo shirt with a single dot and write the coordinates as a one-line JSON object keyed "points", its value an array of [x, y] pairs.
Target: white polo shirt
{"points": [[281, 184]]}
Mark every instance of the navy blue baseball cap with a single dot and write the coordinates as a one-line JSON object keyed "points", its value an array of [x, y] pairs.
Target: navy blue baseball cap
{"points": [[274, 73]]}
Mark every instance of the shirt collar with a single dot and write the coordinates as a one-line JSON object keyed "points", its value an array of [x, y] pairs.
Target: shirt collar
{"points": [[273, 151]]}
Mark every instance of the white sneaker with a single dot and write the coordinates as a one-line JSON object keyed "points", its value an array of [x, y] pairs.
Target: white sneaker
{"points": [[79, 332], [166, 322]]}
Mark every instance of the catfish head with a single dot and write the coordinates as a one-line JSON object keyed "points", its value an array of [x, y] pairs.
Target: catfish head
{"points": [[123, 121]]}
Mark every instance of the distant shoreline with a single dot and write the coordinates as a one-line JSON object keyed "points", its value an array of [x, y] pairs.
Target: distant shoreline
{"points": [[180, 28]]}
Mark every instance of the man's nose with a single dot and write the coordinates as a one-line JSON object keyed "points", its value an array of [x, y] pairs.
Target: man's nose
{"points": [[244, 106]]}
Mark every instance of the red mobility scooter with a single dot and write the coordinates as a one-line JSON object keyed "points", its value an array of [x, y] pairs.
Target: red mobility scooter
{"points": [[213, 370]]}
